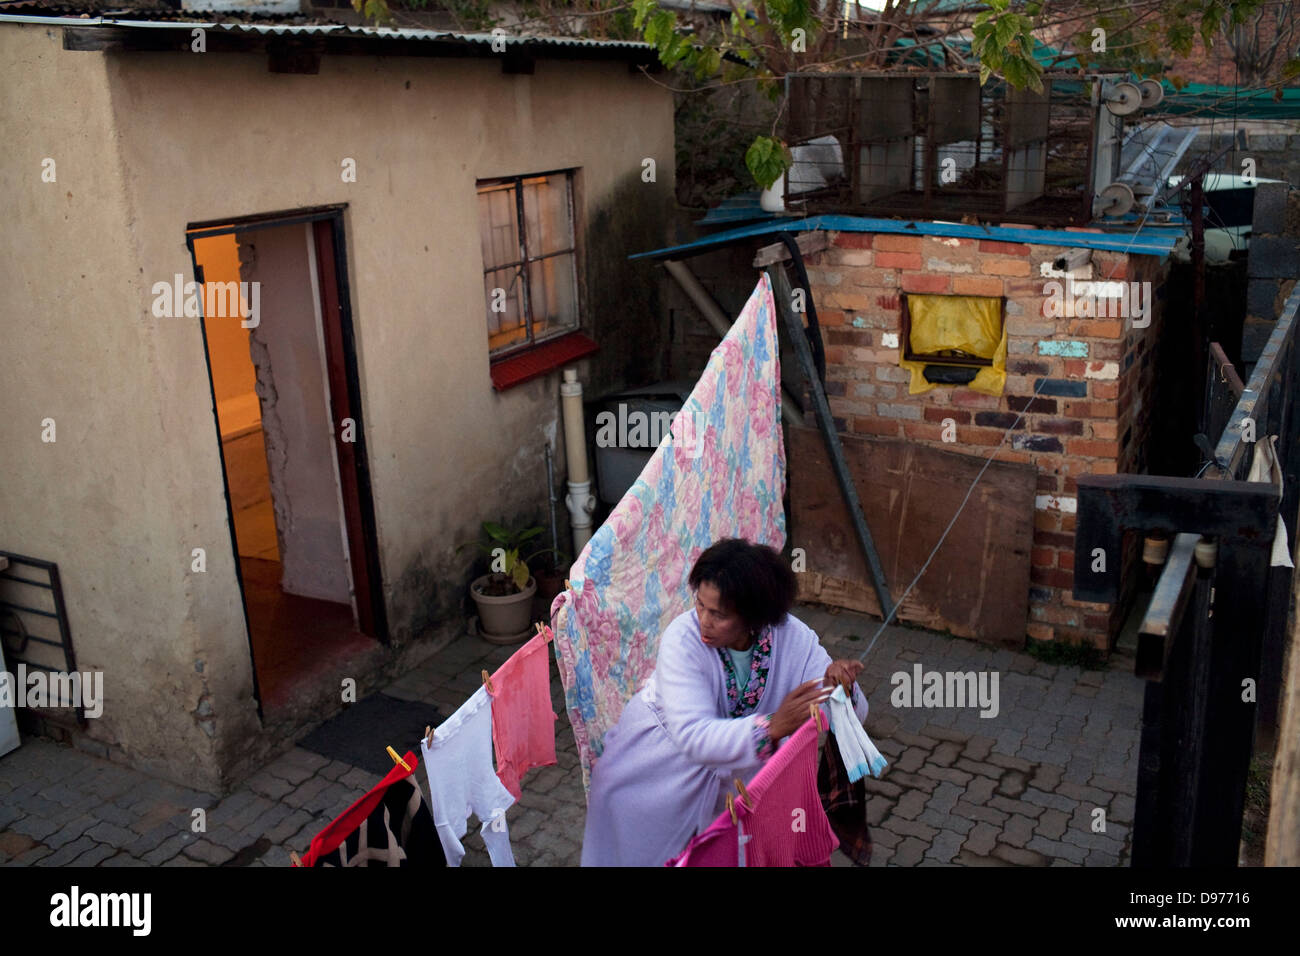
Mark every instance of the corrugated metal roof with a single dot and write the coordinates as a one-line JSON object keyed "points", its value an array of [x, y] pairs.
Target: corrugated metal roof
{"points": [[337, 29], [1150, 241]]}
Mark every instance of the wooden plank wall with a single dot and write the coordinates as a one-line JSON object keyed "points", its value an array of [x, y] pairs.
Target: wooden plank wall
{"points": [[978, 584]]}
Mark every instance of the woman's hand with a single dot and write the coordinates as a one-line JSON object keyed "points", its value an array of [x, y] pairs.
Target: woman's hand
{"points": [[843, 673], [793, 711]]}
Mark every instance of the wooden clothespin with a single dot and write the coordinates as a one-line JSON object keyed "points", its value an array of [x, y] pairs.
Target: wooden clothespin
{"points": [[487, 682], [294, 858], [744, 793], [428, 736], [816, 714], [398, 760], [731, 808]]}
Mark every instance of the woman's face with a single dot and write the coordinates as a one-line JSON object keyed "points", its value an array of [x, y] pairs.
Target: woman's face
{"points": [[720, 626]]}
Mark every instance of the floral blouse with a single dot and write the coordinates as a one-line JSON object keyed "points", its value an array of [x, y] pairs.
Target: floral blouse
{"points": [[743, 704]]}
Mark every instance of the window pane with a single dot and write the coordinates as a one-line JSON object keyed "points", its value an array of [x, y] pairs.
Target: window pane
{"points": [[553, 294], [546, 213], [498, 225], [501, 289]]}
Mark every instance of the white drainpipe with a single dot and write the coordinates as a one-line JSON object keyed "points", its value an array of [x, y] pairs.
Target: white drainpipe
{"points": [[580, 501]]}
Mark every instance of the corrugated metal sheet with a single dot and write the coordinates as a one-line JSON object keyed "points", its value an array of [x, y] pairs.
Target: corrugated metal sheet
{"points": [[336, 29], [1147, 241]]}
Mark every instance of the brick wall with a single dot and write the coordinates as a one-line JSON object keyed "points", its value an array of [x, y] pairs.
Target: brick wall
{"points": [[1094, 378]]}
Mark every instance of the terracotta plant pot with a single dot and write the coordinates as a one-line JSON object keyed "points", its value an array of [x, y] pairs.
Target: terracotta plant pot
{"points": [[504, 620]]}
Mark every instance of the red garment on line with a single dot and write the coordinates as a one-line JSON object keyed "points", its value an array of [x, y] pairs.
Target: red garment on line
{"points": [[354, 816], [786, 824], [523, 723]]}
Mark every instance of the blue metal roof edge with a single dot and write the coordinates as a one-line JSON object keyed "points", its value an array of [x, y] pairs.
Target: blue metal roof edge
{"points": [[1149, 242]]}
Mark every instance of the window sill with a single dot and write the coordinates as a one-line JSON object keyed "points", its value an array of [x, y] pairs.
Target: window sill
{"points": [[536, 362]]}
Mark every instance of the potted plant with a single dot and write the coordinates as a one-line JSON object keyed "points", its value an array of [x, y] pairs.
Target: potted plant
{"points": [[504, 596]]}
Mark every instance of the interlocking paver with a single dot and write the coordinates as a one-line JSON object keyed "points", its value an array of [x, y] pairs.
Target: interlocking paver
{"points": [[960, 789]]}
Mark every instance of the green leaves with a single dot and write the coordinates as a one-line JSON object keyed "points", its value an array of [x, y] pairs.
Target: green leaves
{"points": [[767, 159], [1004, 43]]}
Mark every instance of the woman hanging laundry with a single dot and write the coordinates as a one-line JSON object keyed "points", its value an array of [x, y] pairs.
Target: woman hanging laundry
{"points": [[735, 676]]}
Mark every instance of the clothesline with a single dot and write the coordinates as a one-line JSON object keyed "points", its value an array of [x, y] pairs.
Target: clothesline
{"points": [[390, 825]]}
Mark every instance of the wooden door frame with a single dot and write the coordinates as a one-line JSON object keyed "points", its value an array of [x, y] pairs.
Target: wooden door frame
{"points": [[329, 241]]}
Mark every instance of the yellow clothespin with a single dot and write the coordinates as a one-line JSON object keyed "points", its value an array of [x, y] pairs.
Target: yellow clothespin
{"points": [[398, 760], [294, 858], [744, 794], [487, 682], [731, 808]]}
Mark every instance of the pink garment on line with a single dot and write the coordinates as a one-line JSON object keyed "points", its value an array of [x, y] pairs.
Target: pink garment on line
{"points": [[523, 723], [778, 836]]}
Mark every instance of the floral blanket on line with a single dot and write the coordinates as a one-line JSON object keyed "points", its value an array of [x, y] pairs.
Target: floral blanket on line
{"points": [[720, 473]]}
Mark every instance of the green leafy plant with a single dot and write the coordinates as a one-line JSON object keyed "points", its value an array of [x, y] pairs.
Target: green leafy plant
{"points": [[1004, 42], [503, 546], [767, 159]]}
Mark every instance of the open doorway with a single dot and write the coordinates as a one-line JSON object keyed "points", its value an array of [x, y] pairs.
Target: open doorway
{"points": [[283, 372]]}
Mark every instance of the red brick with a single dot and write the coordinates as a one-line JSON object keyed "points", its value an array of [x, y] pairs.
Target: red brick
{"points": [[829, 316], [1048, 520], [1074, 368], [1053, 539], [1105, 350], [1104, 429], [898, 260], [893, 243], [939, 414], [968, 399], [1051, 577], [1048, 483], [1088, 448], [1004, 248], [1102, 467], [928, 283], [1060, 426], [922, 431], [1065, 560], [848, 336], [1027, 367], [1103, 328], [972, 435], [875, 426], [853, 240], [1043, 557], [1105, 389], [1006, 454], [1005, 267], [986, 286]]}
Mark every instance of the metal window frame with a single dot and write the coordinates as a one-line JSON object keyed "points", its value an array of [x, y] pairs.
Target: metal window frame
{"points": [[525, 261], [54, 585]]}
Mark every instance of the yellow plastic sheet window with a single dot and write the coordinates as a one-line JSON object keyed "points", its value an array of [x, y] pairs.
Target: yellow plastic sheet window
{"points": [[960, 325]]}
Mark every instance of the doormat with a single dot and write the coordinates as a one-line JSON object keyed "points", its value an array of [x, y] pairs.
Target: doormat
{"points": [[359, 735]]}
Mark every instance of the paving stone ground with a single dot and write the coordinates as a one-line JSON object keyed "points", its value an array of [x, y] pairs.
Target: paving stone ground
{"points": [[1021, 788]]}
